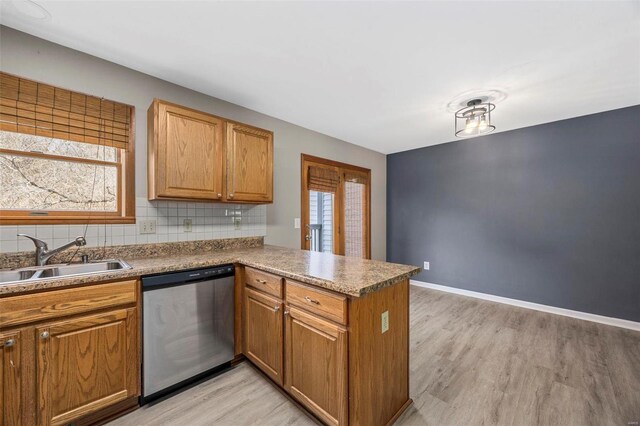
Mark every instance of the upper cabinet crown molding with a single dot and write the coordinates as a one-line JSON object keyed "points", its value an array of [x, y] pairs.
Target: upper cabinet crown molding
{"points": [[197, 156]]}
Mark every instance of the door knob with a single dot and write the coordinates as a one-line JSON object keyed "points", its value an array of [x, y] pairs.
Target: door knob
{"points": [[44, 335], [10, 342]]}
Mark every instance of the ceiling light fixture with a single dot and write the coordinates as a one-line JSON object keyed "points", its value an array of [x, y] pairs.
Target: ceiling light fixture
{"points": [[474, 119]]}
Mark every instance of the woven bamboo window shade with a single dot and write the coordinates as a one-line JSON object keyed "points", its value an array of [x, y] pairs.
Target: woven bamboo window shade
{"points": [[355, 177], [27, 106], [323, 179]]}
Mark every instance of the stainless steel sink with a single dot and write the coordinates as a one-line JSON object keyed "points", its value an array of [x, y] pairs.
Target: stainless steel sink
{"points": [[16, 275], [61, 271]]}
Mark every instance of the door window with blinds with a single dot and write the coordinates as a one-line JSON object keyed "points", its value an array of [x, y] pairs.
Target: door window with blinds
{"points": [[336, 211], [65, 157]]}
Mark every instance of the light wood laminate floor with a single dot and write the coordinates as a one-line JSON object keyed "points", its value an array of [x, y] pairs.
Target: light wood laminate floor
{"points": [[473, 362]]}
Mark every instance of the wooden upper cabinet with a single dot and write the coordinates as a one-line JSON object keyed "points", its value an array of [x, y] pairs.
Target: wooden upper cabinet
{"points": [[249, 170], [10, 379], [197, 156], [185, 157], [86, 364]]}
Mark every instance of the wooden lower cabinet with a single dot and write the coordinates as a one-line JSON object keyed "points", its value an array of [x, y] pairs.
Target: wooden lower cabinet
{"points": [[70, 369], [10, 378], [339, 362], [316, 365], [85, 364], [263, 333]]}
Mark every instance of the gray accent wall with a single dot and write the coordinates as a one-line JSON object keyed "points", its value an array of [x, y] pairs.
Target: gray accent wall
{"points": [[548, 214]]}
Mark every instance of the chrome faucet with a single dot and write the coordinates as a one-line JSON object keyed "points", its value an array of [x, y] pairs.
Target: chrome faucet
{"points": [[43, 254]]}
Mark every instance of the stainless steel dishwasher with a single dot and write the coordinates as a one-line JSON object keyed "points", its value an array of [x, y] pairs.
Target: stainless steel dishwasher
{"points": [[187, 328]]}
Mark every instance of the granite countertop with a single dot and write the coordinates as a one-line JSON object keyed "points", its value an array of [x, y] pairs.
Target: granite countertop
{"points": [[347, 275]]}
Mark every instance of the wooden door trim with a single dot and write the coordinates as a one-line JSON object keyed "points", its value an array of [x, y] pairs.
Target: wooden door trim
{"points": [[333, 163], [339, 225]]}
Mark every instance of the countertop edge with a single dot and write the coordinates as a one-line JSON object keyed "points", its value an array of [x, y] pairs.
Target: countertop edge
{"points": [[81, 280]]}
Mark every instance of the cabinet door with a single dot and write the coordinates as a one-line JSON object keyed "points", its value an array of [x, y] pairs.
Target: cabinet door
{"points": [[189, 158], [263, 333], [249, 164], [86, 364], [10, 379], [316, 365]]}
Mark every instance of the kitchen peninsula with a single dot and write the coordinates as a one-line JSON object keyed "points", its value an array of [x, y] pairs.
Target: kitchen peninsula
{"points": [[332, 331]]}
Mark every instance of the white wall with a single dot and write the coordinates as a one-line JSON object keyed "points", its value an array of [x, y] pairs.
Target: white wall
{"points": [[41, 60]]}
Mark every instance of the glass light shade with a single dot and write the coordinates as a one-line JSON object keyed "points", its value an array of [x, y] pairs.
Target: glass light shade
{"points": [[475, 119], [483, 124]]}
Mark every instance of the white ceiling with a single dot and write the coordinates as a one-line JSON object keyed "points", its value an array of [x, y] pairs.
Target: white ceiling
{"points": [[377, 74]]}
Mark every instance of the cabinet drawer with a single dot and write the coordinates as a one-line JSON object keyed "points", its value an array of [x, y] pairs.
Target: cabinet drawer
{"points": [[57, 303], [328, 305], [263, 281]]}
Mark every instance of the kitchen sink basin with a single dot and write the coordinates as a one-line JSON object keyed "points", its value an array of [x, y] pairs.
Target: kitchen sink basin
{"points": [[16, 275], [61, 271]]}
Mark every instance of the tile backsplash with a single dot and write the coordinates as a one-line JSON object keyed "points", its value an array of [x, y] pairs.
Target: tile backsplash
{"points": [[208, 221]]}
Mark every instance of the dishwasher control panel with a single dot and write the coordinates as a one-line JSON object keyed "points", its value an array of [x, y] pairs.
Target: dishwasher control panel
{"points": [[174, 278]]}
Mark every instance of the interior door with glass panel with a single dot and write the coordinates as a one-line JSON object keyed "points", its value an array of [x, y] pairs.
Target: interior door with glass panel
{"points": [[335, 207]]}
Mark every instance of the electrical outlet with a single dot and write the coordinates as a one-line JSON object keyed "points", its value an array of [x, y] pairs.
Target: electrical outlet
{"points": [[187, 225], [237, 223], [147, 226], [426, 266], [385, 321]]}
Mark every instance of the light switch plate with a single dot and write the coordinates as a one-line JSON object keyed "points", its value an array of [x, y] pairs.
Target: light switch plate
{"points": [[385, 321], [426, 266], [296, 223]]}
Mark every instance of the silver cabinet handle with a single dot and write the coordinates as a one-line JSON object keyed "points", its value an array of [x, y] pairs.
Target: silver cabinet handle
{"points": [[44, 335], [276, 308], [231, 195], [10, 342], [219, 195], [310, 300], [261, 281], [286, 312]]}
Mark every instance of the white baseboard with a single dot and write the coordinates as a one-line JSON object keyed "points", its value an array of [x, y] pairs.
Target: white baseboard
{"points": [[616, 322]]}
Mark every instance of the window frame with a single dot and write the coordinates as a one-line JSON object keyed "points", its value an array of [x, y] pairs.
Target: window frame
{"points": [[125, 213]]}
